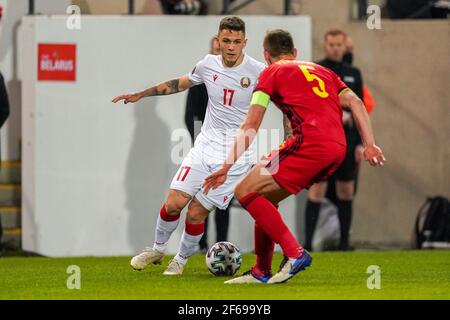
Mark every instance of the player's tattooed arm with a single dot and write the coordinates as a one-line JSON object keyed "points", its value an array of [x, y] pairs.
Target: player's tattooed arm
{"points": [[168, 87], [164, 88], [287, 128]]}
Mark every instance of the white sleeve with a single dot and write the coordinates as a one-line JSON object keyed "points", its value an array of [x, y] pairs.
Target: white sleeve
{"points": [[261, 66], [196, 75]]}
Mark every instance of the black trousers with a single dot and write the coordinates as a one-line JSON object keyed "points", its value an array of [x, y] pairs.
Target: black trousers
{"points": [[222, 221]]}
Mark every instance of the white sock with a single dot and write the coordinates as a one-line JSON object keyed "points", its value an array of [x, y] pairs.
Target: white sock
{"points": [[188, 246], [164, 230]]}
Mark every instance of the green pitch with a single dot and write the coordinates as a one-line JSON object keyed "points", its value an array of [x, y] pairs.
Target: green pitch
{"points": [[333, 275]]}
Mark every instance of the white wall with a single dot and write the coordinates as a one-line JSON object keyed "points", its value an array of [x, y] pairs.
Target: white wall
{"points": [[13, 12], [95, 174]]}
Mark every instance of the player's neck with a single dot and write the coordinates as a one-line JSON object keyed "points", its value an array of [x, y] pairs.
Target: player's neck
{"points": [[282, 58], [233, 64], [287, 57]]}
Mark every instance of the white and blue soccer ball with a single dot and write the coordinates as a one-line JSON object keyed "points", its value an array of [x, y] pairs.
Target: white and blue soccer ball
{"points": [[223, 259]]}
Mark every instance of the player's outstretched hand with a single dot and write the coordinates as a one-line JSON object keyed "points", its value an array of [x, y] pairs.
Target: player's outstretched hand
{"points": [[374, 155], [134, 97], [215, 179]]}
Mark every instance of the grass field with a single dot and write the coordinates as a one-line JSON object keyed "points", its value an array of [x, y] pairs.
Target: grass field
{"points": [[333, 275]]}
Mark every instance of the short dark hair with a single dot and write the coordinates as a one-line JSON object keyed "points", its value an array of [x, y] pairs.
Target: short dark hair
{"points": [[333, 33], [232, 23], [278, 42]]}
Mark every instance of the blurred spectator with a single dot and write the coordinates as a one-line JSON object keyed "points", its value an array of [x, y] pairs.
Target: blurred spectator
{"points": [[369, 101], [362, 9], [187, 7], [4, 113], [343, 180], [197, 101], [418, 9]]}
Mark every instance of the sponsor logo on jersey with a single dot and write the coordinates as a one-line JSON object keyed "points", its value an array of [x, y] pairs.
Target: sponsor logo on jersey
{"points": [[225, 199], [245, 82], [215, 77], [349, 79]]}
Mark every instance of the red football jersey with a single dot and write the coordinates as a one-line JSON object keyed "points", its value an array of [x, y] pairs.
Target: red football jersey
{"points": [[309, 95]]}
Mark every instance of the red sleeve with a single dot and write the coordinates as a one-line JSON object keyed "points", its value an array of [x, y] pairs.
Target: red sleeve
{"points": [[266, 81]]}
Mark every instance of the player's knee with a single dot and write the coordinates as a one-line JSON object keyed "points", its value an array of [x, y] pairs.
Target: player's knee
{"points": [[196, 213], [314, 197], [195, 217], [176, 201], [345, 190], [173, 207], [317, 192], [345, 195]]}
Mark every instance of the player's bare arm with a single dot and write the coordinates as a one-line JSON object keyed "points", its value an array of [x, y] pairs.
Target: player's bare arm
{"points": [[164, 88], [372, 152], [288, 133], [243, 140]]}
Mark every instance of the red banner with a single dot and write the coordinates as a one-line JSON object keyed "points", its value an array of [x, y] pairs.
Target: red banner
{"points": [[57, 62]]}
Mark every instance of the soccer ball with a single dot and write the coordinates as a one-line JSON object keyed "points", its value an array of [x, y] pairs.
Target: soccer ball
{"points": [[223, 259]]}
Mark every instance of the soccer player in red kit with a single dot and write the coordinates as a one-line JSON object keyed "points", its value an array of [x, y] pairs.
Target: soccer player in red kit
{"points": [[312, 98]]}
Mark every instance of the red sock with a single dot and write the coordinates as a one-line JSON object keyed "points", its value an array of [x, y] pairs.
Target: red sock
{"points": [[264, 247], [269, 220], [194, 229], [167, 217]]}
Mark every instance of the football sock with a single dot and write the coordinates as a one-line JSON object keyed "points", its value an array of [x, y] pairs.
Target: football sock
{"points": [[165, 226], [269, 220], [311, 218], [189, 240], [345, 220], [264, 247]]}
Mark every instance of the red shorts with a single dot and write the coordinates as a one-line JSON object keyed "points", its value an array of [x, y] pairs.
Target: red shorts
{"points": [[297, 163]]}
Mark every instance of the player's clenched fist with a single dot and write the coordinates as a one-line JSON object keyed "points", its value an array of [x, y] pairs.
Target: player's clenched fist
{"points": [[374, 155], [128, 98]]}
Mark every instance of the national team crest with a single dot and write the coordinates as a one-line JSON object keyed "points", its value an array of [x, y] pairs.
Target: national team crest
{"points": [[245, 82]]}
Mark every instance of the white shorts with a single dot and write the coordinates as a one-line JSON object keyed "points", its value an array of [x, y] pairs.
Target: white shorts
{"points": [[193, 171]]}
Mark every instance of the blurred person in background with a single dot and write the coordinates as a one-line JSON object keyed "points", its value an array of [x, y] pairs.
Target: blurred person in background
{"points": [[196, 103], [418, 9], [344, 178], [4, 114], [368, 100], [187, 7]]}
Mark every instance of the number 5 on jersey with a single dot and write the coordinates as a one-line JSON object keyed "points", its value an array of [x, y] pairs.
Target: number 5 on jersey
{"points": [[228, 97], [320, 90]]}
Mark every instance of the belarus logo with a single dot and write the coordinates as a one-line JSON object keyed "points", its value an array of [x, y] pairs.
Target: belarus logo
{"points": [[245, 82], [57, 62]]}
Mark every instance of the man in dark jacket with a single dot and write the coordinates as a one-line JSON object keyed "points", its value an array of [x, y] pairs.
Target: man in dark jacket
{"points": [[4, 113], [344, 178], [196, 103]]}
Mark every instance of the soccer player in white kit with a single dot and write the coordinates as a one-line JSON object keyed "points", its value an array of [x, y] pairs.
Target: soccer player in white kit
{"points": [[230, 79]]}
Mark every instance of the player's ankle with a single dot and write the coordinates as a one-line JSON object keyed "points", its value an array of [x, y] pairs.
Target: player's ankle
{"points": [[260, 273], [161, 248]]}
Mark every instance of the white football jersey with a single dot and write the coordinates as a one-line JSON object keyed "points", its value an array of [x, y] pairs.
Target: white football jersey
{"points": [[229, 94]]}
